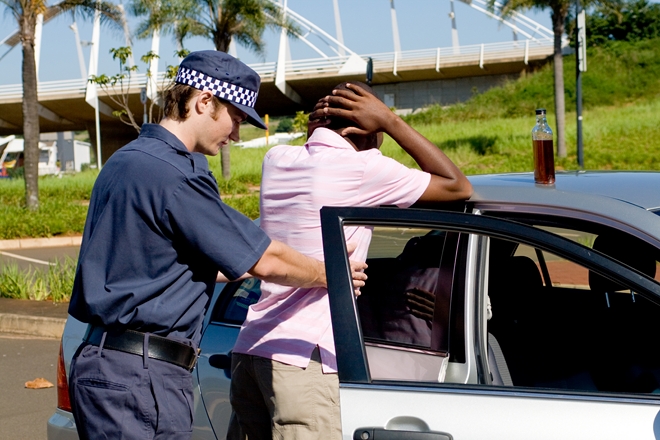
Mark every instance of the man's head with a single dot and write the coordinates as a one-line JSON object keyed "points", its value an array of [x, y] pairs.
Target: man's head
{"points": [[213, 93], [338, 124]]}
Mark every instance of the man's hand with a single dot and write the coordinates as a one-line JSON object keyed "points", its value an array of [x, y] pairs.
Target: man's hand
{"points": [[315, 122], [447, 183], [357, 105]]}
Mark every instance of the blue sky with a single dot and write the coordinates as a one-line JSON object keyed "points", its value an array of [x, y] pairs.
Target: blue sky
{"points": [[366, 24]]}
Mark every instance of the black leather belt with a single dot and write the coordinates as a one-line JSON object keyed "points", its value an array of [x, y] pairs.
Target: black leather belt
{"points": [[131, 341]]}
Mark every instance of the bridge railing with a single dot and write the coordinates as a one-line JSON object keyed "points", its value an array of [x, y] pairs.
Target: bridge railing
{"points": [[389, 61]]}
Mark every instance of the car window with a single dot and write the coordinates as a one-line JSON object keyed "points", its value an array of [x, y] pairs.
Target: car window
{"points": [[559, 325], [404, 308], [557, 270], [232, 306]]}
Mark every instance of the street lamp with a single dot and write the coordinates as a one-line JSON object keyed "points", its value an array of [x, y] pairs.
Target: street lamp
{"points": [[581, 66]]}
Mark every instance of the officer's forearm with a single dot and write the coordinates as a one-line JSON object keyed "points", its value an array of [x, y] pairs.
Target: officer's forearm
{"points": [[222, 278], [283, 265]]}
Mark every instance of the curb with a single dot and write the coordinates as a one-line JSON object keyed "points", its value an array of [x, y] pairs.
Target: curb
{"points": [[32, 243], [32, 325]]}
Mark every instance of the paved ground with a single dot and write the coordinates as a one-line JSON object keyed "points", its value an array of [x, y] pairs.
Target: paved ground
{"points": [[24, 412], [43, 309]]}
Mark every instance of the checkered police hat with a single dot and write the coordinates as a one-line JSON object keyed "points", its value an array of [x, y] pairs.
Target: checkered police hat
{"points": [[224, 76]]}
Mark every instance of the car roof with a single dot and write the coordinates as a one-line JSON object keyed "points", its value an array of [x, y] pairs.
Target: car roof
{"points": [[638, 188], [626, 200]]}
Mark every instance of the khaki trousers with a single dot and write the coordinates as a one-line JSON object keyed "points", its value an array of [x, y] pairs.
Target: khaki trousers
{"points": [[274, 400]]}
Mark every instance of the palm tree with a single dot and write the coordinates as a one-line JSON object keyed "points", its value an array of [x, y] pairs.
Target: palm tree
{"points": [[220, 21], [558, 11], [26, 12]]}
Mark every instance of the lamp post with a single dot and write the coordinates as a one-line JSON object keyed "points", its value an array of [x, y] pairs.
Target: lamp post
{"points": [[581, 66]]}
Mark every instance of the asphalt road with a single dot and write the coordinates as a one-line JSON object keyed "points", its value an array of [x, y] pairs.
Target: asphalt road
{"points": [[24, 412], [38, 258]]}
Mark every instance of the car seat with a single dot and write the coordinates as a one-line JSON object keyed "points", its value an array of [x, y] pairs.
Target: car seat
{"points": [[514, 290], [624, 320]]}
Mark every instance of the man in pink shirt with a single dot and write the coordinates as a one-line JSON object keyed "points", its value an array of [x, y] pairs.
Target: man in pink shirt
{"points": [[284, 381]]}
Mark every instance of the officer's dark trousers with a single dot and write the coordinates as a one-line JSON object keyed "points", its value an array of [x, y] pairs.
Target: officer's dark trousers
{"points": [[117, 395]]}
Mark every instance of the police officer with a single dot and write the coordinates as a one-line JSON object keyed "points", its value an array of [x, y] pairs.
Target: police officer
{"points": [[156, 236]]}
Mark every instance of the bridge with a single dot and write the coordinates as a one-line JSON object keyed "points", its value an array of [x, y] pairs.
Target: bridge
{"points": [[406, 80]]}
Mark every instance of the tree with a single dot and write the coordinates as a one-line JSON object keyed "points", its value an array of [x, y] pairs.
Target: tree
{"points": [[558, 11], [26, 12], [623, 21], [118, 87], [218, 20]]}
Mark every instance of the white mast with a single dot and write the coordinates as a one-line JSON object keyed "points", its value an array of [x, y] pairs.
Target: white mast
{"points": [[454, 31], [340, 33]]}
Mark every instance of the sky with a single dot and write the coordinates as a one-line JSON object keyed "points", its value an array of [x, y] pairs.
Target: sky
{"points": [[366, 27]]}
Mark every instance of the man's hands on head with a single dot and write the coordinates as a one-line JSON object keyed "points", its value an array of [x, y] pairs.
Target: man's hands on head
{"points": [[357, 105], [447, 183]]}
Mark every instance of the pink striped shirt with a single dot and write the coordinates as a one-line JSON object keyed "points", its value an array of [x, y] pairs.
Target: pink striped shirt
{"points": [[286, 324]]}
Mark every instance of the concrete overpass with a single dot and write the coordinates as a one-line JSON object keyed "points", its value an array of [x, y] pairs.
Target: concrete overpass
{"points": [[406, 80]]}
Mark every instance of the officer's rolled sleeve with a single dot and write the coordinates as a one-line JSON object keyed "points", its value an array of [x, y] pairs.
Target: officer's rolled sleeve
{"points": [[225, 236]]}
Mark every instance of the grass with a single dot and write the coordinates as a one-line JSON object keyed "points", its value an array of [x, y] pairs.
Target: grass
{"points": [[623, 137], [615, 138], [63, 206], [55, 284]]}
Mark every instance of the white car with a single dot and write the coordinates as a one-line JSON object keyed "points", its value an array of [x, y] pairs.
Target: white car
{"points": [[528, 312]]}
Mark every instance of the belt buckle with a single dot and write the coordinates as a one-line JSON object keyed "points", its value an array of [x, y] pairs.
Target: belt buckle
{"points": [[193, 361]]}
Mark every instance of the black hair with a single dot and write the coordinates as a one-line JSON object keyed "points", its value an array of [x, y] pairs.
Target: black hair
{"points": [[337, 123]]}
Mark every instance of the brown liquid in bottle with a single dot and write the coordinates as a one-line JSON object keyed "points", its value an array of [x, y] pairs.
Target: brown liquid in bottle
{"points": [[544, 162]]}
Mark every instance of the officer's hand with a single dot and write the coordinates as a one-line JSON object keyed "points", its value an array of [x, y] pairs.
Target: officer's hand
{"points": [[358, 275]]}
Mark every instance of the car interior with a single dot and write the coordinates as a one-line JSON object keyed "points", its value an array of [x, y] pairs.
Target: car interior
{"points": [[598, 336]]}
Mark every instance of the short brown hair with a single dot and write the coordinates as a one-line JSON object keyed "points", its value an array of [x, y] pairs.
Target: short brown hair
{"points": [[177, 97]]}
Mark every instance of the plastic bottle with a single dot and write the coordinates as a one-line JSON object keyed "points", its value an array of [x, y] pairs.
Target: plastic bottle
{"points": [[544, 152]]}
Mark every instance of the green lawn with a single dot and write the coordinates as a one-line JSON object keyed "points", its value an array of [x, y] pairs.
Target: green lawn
{"points": [[615, 138], [618, 138], [488, 134]]}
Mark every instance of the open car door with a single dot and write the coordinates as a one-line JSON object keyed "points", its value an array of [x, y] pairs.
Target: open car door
{"points": [[414, 353]]}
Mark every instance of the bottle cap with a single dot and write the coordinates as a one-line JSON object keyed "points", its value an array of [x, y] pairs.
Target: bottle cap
{"points": [[540, 111]]}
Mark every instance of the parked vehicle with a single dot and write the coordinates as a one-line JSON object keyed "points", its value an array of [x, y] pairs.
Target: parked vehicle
{"points": [[568, 272], [12, 156]]}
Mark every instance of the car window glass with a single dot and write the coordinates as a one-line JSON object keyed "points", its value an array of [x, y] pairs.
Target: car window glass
{"points": [[556, 270], [570, 328], [400, 317], [235, 299]]}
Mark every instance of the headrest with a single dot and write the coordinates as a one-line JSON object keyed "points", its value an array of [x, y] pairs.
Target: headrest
{"points": [[424, 250], [627, 250], [516, 273]]}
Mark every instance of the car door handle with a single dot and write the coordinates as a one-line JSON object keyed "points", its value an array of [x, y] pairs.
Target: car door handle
{"points": [[395, 434], [222, 362]]}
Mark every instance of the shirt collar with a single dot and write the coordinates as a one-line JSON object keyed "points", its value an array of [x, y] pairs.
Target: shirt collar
{"points": [[159, 132], [328, 138]]}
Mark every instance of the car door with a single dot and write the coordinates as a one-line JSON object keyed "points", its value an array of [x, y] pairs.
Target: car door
{"points": [[222, 325], [393, 386]]}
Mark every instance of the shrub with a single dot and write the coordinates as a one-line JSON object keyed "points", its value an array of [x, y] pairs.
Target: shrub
{"points": [[54, 284], [284, 126]]}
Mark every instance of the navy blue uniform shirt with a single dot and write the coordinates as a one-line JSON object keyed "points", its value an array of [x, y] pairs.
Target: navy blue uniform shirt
{"points": [[156, 234]]}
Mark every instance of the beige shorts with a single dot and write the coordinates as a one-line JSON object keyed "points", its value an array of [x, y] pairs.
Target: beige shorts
{"points": [[279, 401]]}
